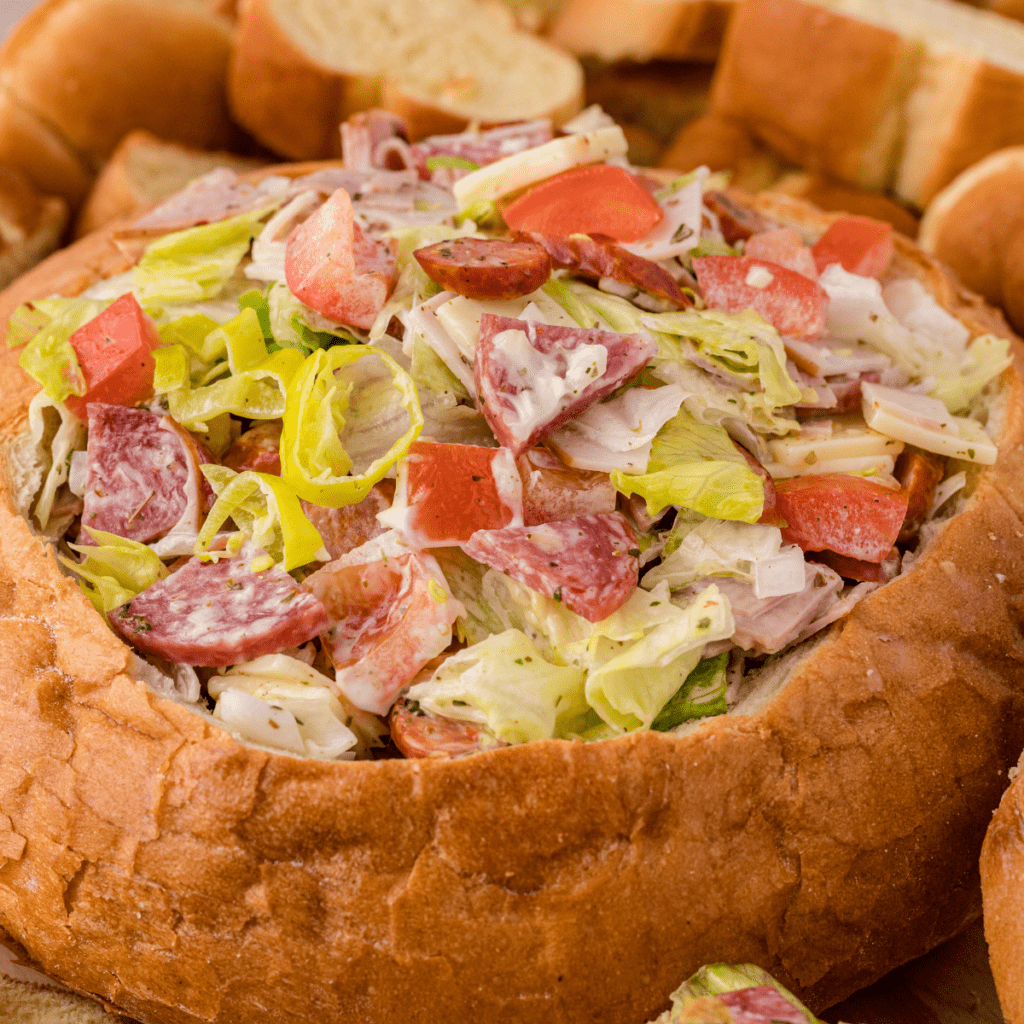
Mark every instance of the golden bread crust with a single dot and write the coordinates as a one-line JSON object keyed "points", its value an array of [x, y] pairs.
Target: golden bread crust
{"points": [[1002, 888], [148, 858]]}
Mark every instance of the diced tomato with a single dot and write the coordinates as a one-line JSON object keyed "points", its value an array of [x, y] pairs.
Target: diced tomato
{"points": [[845, 514], [599, 198], [862, 245], [784, 247], [787, 300], [862, 572], [553, 491], [115, 352], [446, 492], [333, 268]]}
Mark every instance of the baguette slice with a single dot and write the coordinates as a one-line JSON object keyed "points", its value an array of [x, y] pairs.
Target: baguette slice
{"points": [[976, 226], [300, 67], [643, 29], [142, 171], [31, 224], [92, 70], [904, 94]]}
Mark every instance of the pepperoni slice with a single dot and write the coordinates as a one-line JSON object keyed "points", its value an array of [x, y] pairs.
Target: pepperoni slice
{"points": [[553, 491], [862, 245], [598, 257], [143, 474], [588, 563], [418, 733], [333, 268], [532, 377], [787, 300], [221, 612], [258, 449], [344, 529], [485, 268], [388, 618], [784, 247], [845, 514], [446, 492]]}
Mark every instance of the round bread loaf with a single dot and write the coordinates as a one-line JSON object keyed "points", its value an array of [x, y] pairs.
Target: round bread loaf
{"points": [[149, 858]]}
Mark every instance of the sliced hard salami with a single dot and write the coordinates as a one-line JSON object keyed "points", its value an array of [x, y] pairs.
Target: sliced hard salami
{"points": [[476, 149], [533, 377], [344, 529], [761, 1005], [790, 302], [417, 733], [553, 491], [446, 492], [143, 478], [388, 618], [596, 257], [221, 612], [486, 268], [588, 563]]}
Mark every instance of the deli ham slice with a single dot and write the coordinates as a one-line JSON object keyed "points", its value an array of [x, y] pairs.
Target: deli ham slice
{"points": [[143, 474], [388, 616], [479, 148], [221, 612], [533, 377], [588, 563]]}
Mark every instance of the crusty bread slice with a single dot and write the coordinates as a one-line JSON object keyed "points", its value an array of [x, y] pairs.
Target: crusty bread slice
{"points": [[21, 1003], [144, 170], [976, 226], [300, 67], [643, 29], [904, 94], [92, 70], [31, 224]]}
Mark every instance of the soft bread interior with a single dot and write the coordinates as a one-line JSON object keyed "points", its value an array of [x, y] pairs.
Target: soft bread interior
{"points": [[453, 53]]}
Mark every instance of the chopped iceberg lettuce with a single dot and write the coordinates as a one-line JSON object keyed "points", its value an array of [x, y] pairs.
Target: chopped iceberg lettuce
{"points": [[718, 979], [701, 696], [115, 570]]}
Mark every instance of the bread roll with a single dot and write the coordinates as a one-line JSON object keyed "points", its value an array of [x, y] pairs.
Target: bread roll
{"points": [[905, 95], [31, 225], [976, 226], [300, 67], [643, 29], [144, 170], [829, 834], [91, 70]]}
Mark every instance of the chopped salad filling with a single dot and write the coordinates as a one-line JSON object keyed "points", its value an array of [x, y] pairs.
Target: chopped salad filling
{"points": [[489, 439]]}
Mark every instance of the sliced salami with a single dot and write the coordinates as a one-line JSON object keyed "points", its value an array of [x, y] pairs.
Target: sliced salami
{"points": [[143, 478], [446, 492], [790, 302], [221, 612], [553, 491], [476, 149], [588, 563], [486, 268], [387, 618], [596, 257], [761, 1004], [532, 377], [417, 733], [344, 529]]}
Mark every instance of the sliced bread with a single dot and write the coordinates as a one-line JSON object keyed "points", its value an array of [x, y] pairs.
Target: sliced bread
{"points": [[874, 92], [31, 224], [300, 67], [144, 170]]}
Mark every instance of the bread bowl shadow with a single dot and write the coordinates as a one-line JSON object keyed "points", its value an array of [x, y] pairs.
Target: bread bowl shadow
{"points": [[148, 858]]}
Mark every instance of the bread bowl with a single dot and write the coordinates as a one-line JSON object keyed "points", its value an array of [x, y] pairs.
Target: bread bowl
{"points": [[149, 858]]}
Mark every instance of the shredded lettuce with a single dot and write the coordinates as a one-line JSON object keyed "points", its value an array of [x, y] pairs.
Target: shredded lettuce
{"points": [[195, 264], [293, 324], [265, 510], [352, 412], [505, 685], [697, 466], [701, 696], [716, 979], [48, 356], [198, 333], [986, 357], [258, 302], [631, 683], [742, 346], [115, 570]]}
